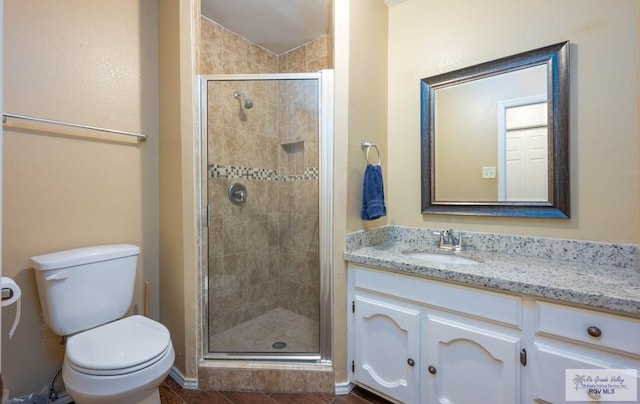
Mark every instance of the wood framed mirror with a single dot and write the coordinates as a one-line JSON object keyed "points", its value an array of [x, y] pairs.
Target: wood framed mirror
{"points": [[495, 137]]}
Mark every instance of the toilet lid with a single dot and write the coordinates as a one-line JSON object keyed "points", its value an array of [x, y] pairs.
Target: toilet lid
{"points": [[119, 347]]}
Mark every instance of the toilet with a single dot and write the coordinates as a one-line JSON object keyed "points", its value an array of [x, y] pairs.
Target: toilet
{"points": [[84, 293]]}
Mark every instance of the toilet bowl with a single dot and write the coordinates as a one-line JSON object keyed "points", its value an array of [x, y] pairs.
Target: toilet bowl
{"points": [[121, 362], [84, 293]]}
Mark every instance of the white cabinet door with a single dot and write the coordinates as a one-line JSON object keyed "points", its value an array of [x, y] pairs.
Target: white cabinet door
{"points": [[468, 364], [551, 359], [386, 347]]}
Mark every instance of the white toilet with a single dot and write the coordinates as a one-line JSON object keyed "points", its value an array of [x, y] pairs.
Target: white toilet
{"points": [[83, 294]]}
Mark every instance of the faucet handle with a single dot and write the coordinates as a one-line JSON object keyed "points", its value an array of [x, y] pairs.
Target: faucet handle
{"points": [[441, 233], [463, 236], [445, 239], [449, 240]]}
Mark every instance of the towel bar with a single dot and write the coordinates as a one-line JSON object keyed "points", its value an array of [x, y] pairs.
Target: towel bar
{"points": [[141, 137], [368, 146]]}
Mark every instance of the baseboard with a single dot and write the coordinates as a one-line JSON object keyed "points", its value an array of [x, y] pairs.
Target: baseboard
{"points": [[342, 389], [178, 377]]}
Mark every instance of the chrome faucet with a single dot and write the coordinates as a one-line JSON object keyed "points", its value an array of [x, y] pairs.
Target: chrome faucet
{"points": [[449, 240]]}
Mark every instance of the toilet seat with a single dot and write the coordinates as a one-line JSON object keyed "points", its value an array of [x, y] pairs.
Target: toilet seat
{"points": [[117, 348]]}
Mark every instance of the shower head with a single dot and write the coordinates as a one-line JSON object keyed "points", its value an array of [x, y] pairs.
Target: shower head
{"points": [[248, 104]]}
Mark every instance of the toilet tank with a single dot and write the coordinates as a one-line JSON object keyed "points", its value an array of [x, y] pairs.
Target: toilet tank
{"points": [[85, 287]]}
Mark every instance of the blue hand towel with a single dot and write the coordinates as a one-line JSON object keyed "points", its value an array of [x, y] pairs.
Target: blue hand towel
{"points": [[373, 194]]}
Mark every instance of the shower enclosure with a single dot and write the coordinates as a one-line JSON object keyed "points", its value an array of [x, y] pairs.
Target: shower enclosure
{"points": [[266, 203]]}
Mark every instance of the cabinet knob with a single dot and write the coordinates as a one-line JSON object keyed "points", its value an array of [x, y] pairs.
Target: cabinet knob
{"points": [[594, 396], [594, 331], [432, 370], [410, 362]]}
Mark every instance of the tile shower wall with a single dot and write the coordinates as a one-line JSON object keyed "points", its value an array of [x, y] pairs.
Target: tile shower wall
{"points": [[263, 254], [299, 277], [311, 57], [223, 52], [243, 239]]}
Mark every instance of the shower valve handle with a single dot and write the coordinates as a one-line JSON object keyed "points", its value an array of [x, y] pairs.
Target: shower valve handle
{"points": [[237, 193]]}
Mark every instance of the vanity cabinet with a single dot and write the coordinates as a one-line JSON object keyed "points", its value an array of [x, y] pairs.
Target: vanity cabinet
{"points": [[416, 340], [419, 341]]}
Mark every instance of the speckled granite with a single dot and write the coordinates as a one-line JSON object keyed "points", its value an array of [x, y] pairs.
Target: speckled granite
{"points": [[600, 275]]}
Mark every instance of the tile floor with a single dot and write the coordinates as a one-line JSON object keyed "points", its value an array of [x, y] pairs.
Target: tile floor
{"points": [[172, 393]]}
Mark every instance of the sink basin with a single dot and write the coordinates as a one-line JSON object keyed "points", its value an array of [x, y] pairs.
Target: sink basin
{"points": [[437, 257]]}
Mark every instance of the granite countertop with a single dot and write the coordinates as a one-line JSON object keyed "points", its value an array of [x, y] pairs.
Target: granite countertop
{"points": [[602, 286]]}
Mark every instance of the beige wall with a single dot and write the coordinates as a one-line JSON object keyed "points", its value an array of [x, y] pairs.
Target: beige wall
{"points": [[91, 63], [341, 192], [360, 57], [427, 37], [178, 218], [367, 109], [172, 305]]}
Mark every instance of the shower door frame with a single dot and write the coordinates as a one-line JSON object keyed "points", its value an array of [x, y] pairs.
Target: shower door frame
{"points": [[325, 79]]}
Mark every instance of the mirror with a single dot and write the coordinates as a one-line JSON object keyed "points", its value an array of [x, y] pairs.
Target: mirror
{"points": [[494, 137]]}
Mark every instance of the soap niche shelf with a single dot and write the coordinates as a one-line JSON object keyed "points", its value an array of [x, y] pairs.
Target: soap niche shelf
{"points": [[292, 158]]}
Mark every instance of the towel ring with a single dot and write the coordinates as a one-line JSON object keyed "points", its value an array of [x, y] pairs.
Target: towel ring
{"points": [[368, 146]]}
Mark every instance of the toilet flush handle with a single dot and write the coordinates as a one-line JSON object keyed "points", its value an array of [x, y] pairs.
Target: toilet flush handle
{"points": [[58, 276]]}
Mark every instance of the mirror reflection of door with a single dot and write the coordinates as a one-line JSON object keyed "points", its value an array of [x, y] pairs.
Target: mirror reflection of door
{"points": [[523, 150]]}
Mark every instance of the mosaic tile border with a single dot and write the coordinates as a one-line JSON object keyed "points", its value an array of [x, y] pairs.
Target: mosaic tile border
{"points": [[261, 174]]}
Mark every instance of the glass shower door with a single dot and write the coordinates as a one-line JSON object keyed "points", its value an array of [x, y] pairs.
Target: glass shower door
{"points": [[264, 274]]}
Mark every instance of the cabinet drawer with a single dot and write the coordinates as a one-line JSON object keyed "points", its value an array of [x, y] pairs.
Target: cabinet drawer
{"points": [[550, 361], [616, 332]]}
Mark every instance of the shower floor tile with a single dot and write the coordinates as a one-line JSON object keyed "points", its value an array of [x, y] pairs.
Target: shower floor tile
{"points": [[261, 334]]}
